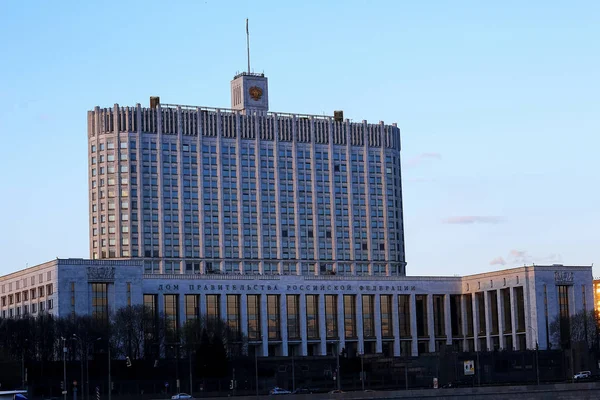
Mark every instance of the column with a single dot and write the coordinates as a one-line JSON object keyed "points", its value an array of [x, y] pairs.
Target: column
{"points": [[160, 303], [396, 325], [513, 318], [463, 313], [413, 325], [377, 315], [359, 324], [430, 323], [223, 306], [447, 319], [322, 325], [244, 314], [264, 325], [303, 333], [283, 324], [500, 318], [181, 311], [202, 305], [475, 323], [488, 320], [340, 315]]}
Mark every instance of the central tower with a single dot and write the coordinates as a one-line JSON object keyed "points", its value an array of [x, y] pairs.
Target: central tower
{"points": [[250, 93]]}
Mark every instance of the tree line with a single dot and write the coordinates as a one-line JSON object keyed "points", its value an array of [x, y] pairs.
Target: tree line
{"points": [[133, 332]]}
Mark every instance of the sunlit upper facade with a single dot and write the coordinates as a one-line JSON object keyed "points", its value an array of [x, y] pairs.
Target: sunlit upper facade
{"points": [[244, 191]]}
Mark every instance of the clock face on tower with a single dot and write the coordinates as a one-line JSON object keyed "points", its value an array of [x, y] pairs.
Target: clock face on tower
{"points": [[255, 93]]}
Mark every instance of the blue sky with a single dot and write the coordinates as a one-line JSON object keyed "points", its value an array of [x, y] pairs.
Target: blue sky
{"points": [[498, 105]]}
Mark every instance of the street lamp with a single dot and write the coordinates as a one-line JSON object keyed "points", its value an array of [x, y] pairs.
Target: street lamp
{"points": [[109, 378], [178, 346], [337, 371], [362, 370], [64, 367], [256, 362], [75, 337], [537, 360]]}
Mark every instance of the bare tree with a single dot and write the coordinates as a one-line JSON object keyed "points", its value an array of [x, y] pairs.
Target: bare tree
{"points": [[578, 328]]}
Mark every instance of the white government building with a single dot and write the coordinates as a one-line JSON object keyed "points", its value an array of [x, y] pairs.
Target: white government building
{"points": [[287, 226], [393, 315]]}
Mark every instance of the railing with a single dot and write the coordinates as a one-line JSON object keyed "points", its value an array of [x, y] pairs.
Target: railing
{"points": [[232, 111]]}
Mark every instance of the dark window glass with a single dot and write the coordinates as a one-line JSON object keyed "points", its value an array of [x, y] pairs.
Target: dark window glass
{"points": [[99, 302], [349, 316], [469, 314], [439, 321], [507, 308], [421, 306], [456, 315], [520, 303], [273, 316], [481, 312], [386, 315], [254, 332], [233, 313], [312, 316], [368, 315], [331, 315], [493, 310], [404, 315], [191, 307], [171, 316], [293, 316], [213, 306]]}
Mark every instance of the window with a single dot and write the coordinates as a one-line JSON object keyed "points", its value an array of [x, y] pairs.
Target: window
{"points": [[421, 306], [331, 316], [563, 312], [213, 307], [469, 314], [254, 328], [493, 310], [233, 313], [99, 302], [349, 316], [273, 316], [439, 320], [481, 313], [386, 316], [171, 316], [312, 316], [293, 316], [456, 316]]}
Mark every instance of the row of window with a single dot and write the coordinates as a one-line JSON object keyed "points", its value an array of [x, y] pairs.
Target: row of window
{"points": [[286, 268], [25, 295], [33, 308], [23, 282], [212, 308]]}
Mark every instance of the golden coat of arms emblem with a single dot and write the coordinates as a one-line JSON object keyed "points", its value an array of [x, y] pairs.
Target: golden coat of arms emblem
{"points": [[255, 92]]}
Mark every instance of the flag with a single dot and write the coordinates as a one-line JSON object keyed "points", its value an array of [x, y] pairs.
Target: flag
{"points": [[247, 32]]}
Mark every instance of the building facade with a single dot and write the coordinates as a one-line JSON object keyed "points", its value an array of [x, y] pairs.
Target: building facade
{"points": [[197, 190], [311, 315], [288, 227]]}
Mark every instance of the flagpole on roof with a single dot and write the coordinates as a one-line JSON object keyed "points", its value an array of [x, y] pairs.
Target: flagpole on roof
{"points": [[248, 44]]}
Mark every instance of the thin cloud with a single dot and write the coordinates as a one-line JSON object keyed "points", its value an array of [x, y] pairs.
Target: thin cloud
{"points": [[498, 261], [522, 257], [413, 162], [472, 219], [518, 253]]}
